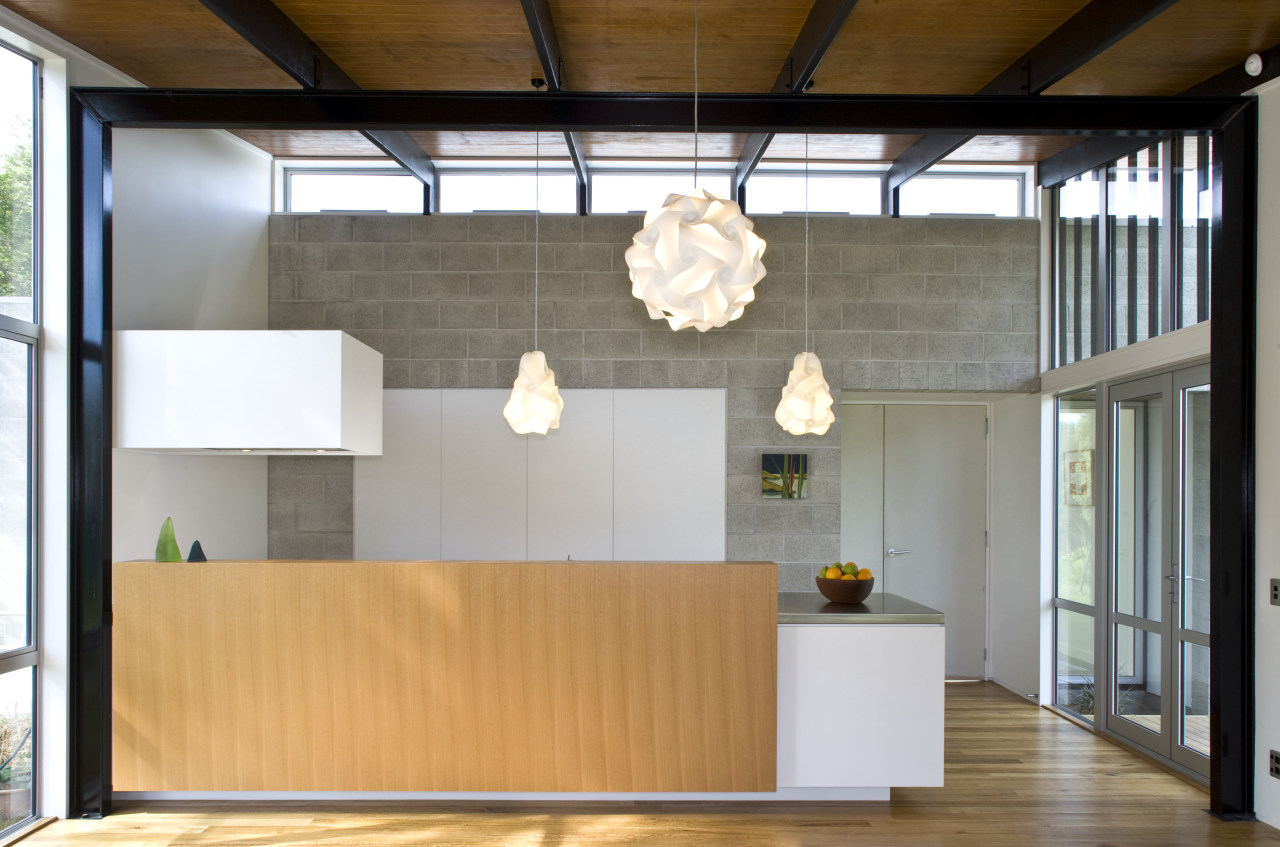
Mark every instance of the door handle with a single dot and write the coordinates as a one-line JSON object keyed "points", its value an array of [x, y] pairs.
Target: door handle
{"points": [[893, 552], [1194, 578]]}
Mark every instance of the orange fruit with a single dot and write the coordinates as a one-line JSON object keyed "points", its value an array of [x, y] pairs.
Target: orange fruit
{"points": [[831, 573], [848, 576], [865, 573]]}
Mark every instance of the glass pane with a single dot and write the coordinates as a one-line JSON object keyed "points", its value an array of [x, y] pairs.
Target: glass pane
{"points": [[1074, 635], [1077, 419], [16, 698], [1137, 676], [1135, 213], [17, 184], [507, 192], [372, 192], [775, 194], [619, 193], [962, 195], [15, 490], [1195, 508], [1195, 698], [1195, 173], [1074, 284], [1139, 577]]}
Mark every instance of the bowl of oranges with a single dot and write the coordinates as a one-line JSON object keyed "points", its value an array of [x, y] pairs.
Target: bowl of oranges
{"points": [[845, 583]]}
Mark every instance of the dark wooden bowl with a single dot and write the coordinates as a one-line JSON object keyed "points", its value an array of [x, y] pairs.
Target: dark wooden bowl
{"points": [[846, 590]]}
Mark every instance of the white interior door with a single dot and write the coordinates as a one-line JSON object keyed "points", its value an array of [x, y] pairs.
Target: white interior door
{"points": [[915, 483]]}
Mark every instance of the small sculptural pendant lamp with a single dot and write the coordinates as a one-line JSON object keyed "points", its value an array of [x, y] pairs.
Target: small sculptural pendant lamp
{"points": [[806, 401], [535, 403], [697, 259]]}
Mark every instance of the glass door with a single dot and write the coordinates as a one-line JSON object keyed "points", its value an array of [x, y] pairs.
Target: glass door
{"points": [[1158, 623]]}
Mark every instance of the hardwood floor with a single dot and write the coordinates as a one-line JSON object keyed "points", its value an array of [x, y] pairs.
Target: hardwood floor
{"points": [[1016, 775]]}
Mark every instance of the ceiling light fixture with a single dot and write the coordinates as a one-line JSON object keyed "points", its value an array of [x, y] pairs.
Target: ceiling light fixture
{"points": [[697, 258], [535, 403], [806, 401]]}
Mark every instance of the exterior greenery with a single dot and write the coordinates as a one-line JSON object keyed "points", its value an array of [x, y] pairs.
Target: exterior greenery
{"points": [[16, 222]]}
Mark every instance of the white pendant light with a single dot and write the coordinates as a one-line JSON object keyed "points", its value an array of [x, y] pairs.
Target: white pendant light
{"points": [[697, 258], [535, 403], [806, 401]]}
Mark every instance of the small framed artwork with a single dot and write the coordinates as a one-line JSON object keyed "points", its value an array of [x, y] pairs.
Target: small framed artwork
{"points": [[1077, 477], [784, 476]]}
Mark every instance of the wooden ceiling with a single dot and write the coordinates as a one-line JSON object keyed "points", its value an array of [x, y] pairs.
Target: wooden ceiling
{"points": [[883, 47]]}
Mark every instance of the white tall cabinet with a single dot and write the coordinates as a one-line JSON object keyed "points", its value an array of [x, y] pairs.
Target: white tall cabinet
{"points": [[630, 474]]}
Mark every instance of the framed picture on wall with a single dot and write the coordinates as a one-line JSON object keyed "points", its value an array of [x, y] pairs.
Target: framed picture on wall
{"points": [[1077, 477], [784, 476]]}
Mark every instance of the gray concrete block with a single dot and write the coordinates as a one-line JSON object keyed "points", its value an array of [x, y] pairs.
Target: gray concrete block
{"points": [[1012, 376], [837, 229], [742, 402], [519, 257], [822, 316], [597, 374], [559, 285], [753, 548], [900, 346], [971, 376], [1010, 289], [927, 316], [500, 285], [483, 373], [665, 344], [896, 288], [584, 314], [795, 576], [468, 257], [740, 518], [870, 259], [780, 287], [295, 545], [560, 229], [382, 228], [325, 285], [655, 373], [1026, 319], [825, 289], [607, 285], [282, 229], [295, 257], [453, 373], [953, 289], [927, 259], [568, 372], [855, 375], [411, 314], [984, 260], [713, 373], [779, 229], [764, 314], [392, 344], [440, 228], [954, 231], [498, 344], [780, 345], [869, 316], [1010, 347], [1026, 260], [352, 315], [284, 315], [832, 346], [942, 376], [684, 373], [612, 344], [561, 343], [468, 315], [493, 228], [353, 257], [380, 286], [725, 343], [784, 516], [439, 286], [1011, 231], [610, 229], [397, 373], [518, 314], [743, 490], [626, 374], [826, 518], [810, 547], [414, 257], [633, 315], [282, 286], [823, 258], [281, 517], [955, 347], [324, 517], [438, 344], [984, 317], [424, 374], [339, 546], [913, 376], [328, 228], [583, 257], [884, 376], [339, 488], [756, 373], [295, 489]]}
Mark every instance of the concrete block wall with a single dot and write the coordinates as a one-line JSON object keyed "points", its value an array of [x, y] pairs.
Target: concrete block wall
{"points": [[916, 304]]}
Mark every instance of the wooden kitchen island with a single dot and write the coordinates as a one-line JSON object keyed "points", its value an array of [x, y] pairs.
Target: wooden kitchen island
{"points": [[359, 676]]}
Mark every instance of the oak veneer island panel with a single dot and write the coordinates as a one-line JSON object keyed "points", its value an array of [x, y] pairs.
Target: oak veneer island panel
{"points": [[444, 676]]}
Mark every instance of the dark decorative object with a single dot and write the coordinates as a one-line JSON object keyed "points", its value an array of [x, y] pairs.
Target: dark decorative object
{"points": [[846, 590], [197, 553], [784, 476]]}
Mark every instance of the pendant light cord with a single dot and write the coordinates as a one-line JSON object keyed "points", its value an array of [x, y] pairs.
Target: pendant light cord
{"points": [[537, 162], [695, 94], [806, 242]]}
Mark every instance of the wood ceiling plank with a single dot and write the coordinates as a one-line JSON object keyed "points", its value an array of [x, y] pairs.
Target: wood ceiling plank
{"points": [[174, 44], [837, 148], [288, 144], [1192, 41], [461, 45], [1024, 149], [934, 46], [648, 45], [662, 145]]}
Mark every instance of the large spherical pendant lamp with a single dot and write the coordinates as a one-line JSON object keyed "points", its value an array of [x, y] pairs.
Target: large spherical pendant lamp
{"points": [[535, 403], [805, 408], [696, 261]]}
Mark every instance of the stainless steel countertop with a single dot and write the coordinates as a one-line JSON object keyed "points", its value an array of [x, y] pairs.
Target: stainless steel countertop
{"points": [[801, 607]]}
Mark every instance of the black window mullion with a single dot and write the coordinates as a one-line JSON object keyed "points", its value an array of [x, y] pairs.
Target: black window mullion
{"points": [[1202, 232], [1060, 306], [1077, 280], [1131, 280]]}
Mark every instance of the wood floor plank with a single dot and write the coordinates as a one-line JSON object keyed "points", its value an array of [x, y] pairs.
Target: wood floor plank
{"points": [[1016, 774]]}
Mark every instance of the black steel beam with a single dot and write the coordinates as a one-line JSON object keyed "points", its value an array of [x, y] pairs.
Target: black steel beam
{"points": [[89, 471], [820, 28], [1231, 466], [1093, 152], [921, 155], [545, 41], [276, 36], [582, 112], [1077, 40]]}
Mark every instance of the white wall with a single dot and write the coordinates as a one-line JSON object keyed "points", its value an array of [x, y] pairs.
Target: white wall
{"points": [[1013, 580], [1267, 500], [189, 252]]}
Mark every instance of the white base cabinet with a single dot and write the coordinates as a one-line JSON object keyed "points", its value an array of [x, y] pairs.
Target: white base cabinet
{"points": [[860, 705]]}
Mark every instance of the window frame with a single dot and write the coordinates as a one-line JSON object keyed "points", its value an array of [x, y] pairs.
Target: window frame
{"points": [[1019, 176]]}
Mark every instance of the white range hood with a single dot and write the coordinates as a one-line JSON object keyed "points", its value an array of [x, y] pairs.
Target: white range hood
{"points": [[252, 392]]}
